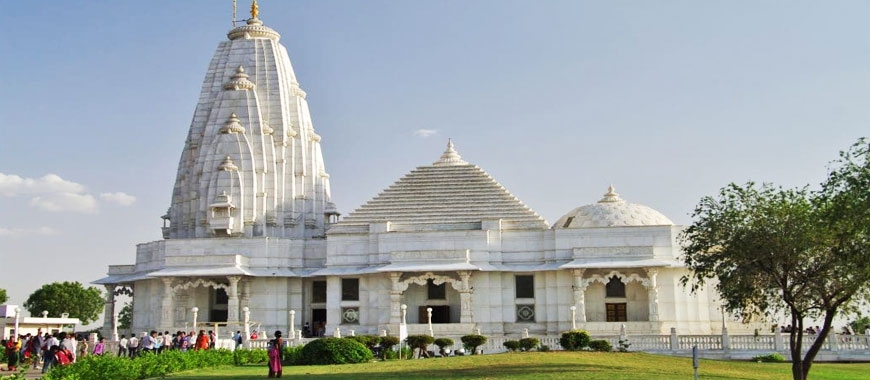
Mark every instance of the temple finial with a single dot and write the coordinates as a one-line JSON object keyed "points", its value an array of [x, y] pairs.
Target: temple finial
{"points": [[255, 9]]}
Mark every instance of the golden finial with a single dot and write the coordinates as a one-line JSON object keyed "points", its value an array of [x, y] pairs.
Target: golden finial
{"points": [[255, 10]]}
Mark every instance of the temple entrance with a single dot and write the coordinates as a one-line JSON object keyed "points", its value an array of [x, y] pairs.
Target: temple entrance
{"points": [[318, 323], [440, 314]]}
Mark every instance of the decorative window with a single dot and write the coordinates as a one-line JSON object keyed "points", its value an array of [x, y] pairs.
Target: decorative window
{"points": [[436, 292], [525, 313], [350, 289], [615, 288], [318, 292], [220, 297], [616, 312], [350, 315], [525, 286]]}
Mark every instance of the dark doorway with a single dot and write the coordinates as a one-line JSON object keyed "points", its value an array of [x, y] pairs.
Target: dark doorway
{"points": [[440, 314]]}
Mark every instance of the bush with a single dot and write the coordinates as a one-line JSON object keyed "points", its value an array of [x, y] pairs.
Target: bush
{"points": [[387, 343], [334, 351], [442, 343], [420, 342], [404, 353], [142, 367], [574, 340], [370, 341], [472, 342], [544, 348], [527, 344], [243, 356], [769, 358], [511, 345], [292, 355], [600, 345]]}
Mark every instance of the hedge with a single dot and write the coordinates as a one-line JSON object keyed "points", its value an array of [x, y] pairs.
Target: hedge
{"points": [[334, 351], [143, 367]]}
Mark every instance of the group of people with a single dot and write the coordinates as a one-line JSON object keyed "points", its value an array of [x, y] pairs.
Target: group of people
{"points": [[318, 330], [157, 342], [49, 349]]}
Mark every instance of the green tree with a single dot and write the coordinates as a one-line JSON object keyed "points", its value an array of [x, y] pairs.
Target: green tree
{"points": [[768, 249], [125, 316], [86, 304], [860, 324], [3, 296]]}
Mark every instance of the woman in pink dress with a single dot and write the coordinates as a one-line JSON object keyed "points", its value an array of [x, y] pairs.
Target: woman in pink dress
{"points": [[276, 346]]}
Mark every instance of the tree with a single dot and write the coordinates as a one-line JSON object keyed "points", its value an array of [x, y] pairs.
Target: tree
{"points": [[125, 316], [3, 296], [769, 249], [860, 325], [86, 304]]}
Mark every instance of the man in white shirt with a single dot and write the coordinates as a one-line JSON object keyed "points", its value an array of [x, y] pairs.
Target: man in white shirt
{"points": [[132, 345], [122, 346]]}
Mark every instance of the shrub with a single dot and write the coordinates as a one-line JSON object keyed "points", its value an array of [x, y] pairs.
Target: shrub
{"points": [[442, 343], [574, 340], [527, 344], [769, 358], [420, 342], [624, 344], [334, 351], [292, 355], [243, 356], [387, 343], [600, 345], [404, 353], [142, 367], [544, 348], [511, 345], [370, 341], [472, 342]]}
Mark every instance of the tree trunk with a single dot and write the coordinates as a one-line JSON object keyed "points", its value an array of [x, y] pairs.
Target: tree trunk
{"points": [[817, 345], [795, 341]]}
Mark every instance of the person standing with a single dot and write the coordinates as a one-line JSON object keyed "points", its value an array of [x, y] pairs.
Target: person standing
{"points": [[201, 341], [100, 347], [276, 348], [132, 346], [122, 346], [13, 346]]}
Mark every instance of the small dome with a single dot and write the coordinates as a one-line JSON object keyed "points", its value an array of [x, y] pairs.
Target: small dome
{"points": [[612, 211]]}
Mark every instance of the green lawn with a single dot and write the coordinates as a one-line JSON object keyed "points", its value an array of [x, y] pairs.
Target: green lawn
{"points": [[534, 365]]}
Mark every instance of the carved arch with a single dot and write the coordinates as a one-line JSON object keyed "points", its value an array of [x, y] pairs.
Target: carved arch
{"points": [[621, 276], [436, 279], [201, 282]]}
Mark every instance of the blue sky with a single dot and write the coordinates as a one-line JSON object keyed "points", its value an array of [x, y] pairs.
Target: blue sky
{"points": [[667, 100]]}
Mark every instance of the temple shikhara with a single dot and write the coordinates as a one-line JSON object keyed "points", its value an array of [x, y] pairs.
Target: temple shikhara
{"points": [[251, 227]]}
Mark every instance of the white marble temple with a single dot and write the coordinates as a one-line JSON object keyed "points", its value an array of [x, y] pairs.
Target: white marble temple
{"points": [[251, 225]]}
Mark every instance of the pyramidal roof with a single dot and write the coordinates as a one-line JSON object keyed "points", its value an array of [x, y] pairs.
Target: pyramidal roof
{"points": [[449, 190]]}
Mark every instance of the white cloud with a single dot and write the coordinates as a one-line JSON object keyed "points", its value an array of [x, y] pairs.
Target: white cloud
{"points": [[119, 198], [424, 133], [12, 185], [84, 203], [23, 232]]}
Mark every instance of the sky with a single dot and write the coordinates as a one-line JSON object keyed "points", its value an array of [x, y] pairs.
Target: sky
{"points": [[668, 101]]}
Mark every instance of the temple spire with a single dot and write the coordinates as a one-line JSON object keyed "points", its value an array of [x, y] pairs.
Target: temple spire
{"points": [[255, 9]]}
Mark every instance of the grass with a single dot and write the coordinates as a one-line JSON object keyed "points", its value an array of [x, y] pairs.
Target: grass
{"points": [[534, 365]]}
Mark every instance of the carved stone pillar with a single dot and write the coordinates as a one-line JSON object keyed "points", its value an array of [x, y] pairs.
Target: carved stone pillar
{"points": [[466, 315], [166, 314], [396, 298], [653, 295], [233, 299], [579, 288], [109, 312]]}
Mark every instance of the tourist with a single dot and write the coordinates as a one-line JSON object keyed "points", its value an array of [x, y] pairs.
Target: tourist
{"points": [[306, 330], [69, 345], [167, 342], [148, 341], [12, 347], [100, 347], [48, 356], [133, 346], [82, 346], [211, 339], [238, 339], [201, 341], [276, 346], [122, 346], [63, 356]]}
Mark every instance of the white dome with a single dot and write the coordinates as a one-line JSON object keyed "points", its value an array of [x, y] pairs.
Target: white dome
{"points": [[612, 211]]}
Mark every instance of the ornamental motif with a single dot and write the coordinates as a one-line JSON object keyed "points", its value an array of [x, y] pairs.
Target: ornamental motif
{"points": [[350, 315], [525, 313]]}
